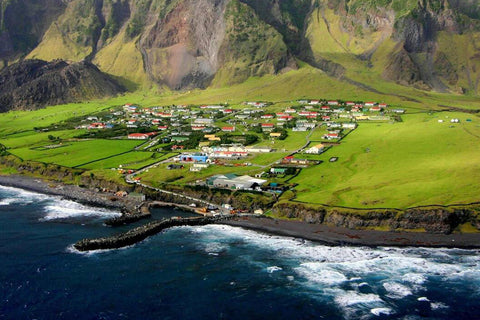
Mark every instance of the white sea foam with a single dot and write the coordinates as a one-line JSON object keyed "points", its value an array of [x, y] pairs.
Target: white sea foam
{"points": [[320, 273], [381, 311], [423, 299], [272, 269], [72, 249], [349, 298], [20, 196], [438, 305], [214, 249], [414, 278], [8, 201], [64, 209], [397, 290], [333, 272]]}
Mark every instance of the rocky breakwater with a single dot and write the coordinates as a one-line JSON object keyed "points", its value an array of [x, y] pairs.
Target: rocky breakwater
{"points": [[141, 233]]}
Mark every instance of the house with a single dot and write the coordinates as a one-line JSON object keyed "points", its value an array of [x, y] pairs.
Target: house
{"points": [[349, 125], [300, 129], [375, 109], [228, 129], [278, 170], [211, 137], [325, 108], [97, 125], [132, 123], [383, 105], [314, 102], [290, 111], [285, 118], [195, 157], [203, 121], [331, 136], [254, 149], [349, 103], [232, 181], [325, 118], [370, 104], [256, 104], [267, 116], [316, 149], [227, 111], [129, 108], [141, 136], [333, 103], [197, 128], [162, 128], [267, 126], [293, 160], [176, 147], [400, 111], [275, 134], [362, 117]]}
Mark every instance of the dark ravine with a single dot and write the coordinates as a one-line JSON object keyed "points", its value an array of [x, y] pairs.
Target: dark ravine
{"points": [[141, 233]]}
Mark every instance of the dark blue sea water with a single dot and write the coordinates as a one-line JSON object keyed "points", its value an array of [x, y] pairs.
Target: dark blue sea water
{"points": [[215, 272]]}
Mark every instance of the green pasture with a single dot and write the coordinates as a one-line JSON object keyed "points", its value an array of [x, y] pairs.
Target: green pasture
{"points": [[318, 133], [416, 162], [294, 141], [132, 160], [77, 153], [32, 138], [19, 121]]}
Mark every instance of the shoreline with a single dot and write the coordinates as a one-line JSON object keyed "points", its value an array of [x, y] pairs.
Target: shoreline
{"points": [[69, 192], [339, 236], [321, 233]]}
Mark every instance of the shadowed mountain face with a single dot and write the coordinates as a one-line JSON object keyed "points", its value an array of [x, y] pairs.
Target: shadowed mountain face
{"points": [[183, 44], [35, 83]]}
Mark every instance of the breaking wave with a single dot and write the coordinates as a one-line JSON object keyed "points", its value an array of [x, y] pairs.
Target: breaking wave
{"points": [[66, 209], [19, 196], [363, 282], [53, 207]]}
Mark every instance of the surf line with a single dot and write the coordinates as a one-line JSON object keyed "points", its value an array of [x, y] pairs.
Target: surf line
{"points": [[141, 233]]}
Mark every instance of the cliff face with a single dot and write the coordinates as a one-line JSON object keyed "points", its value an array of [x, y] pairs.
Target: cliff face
{"points": [[429, 44], [34, 83], [432, 219]]}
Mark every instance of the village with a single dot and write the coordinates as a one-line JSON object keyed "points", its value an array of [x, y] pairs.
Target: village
{"points": [[201, 137]]}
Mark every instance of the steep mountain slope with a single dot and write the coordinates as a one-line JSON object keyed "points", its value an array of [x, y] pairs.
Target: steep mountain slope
{"points": [[35, 83], [182, 44]]}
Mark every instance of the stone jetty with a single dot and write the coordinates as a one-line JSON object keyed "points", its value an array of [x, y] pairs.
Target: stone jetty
{"points": [[141, 233]]}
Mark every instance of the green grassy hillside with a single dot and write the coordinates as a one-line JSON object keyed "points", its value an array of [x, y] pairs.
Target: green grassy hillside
{"points": [[413, 163]]}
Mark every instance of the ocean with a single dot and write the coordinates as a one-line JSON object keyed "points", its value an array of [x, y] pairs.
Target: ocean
{"points": [[214, 272]]}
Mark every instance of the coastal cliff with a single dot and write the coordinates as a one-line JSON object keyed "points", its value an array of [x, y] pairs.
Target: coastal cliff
{"points": [[433, 219]]}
